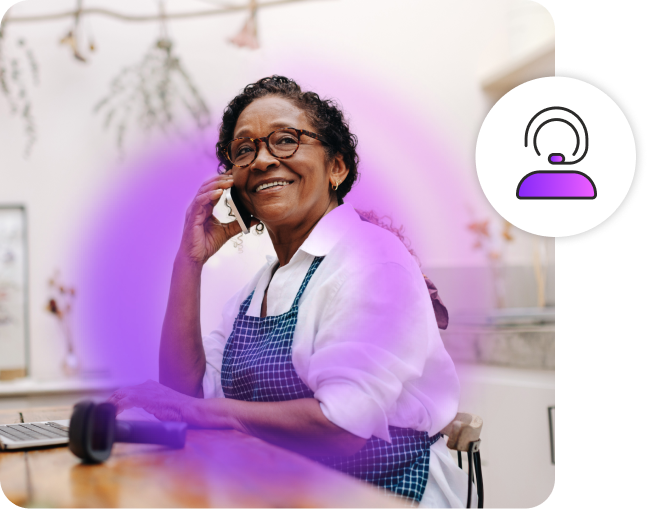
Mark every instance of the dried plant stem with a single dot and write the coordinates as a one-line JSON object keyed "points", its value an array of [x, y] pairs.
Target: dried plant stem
{"points": [[155, 17], [14, 83], [540, 272], [154, 91]]}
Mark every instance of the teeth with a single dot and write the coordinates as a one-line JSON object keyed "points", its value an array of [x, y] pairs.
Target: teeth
{"points": [[272, 184]]}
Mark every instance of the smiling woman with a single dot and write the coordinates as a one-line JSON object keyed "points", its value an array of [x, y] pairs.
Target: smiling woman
{"points": [[332, 349], [325, 116]]}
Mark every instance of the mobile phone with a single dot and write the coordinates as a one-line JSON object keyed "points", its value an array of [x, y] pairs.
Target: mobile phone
{"points": [[242, 215]]}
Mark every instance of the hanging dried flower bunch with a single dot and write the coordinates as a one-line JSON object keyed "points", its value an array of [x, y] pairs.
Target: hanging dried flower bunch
{"points": [[494, 247], [247, 36], [60, 305], [74, 37], [152, 93], [19, 70]]}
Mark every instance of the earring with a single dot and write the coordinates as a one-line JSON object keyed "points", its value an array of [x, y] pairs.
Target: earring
{"points": [[337, 184]]}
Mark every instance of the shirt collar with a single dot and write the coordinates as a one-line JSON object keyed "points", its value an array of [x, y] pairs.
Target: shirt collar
{"points": [[327, 232], [330, 229]]}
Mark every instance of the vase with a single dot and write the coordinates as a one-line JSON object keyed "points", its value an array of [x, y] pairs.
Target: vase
{"points": [[70, 364]]}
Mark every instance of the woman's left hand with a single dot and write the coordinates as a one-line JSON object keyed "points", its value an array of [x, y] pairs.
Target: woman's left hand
{"points": [[157, 399]]}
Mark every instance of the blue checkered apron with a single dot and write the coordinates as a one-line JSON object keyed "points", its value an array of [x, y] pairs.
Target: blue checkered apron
{"points": [[257, 366]]}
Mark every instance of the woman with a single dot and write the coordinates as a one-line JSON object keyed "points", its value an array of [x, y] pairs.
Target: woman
{"points": [[332, 349]]}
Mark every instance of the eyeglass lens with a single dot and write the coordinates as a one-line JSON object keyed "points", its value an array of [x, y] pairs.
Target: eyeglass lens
{"points": [[283, 143]]}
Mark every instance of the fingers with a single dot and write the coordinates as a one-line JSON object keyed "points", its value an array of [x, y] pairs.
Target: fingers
{"points": [[219, 182], [129, 397], [152, 397], [116, 396], [208, 197], [121, 400], [217, 176], [232, 228], [209, 194], [203, 206]]}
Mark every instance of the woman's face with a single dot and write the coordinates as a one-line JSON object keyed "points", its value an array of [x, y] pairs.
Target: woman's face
{"points": [[308, 172]]}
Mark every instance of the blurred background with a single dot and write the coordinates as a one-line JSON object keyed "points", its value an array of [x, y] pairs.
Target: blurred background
{"points": [[109, 112]]}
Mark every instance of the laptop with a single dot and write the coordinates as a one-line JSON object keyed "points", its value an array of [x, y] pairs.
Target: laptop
{"points": [[34, 434], [50, 433]]}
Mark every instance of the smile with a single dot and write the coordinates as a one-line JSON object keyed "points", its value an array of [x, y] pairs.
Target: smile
{"points": [[277, 185]]}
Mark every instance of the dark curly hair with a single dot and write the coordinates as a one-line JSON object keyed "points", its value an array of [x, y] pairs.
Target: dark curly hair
{"points": [[324, 114]]}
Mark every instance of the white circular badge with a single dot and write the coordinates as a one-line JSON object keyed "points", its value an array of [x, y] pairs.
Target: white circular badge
{"points": [[555, 157]]}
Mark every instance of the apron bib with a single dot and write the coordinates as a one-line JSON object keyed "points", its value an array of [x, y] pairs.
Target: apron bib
{"points": [[257, 366]]}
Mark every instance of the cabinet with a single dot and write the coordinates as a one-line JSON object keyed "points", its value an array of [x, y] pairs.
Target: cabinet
{"points": [[516, 438]]}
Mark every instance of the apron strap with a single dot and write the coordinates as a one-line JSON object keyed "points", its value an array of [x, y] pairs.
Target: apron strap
{"points": [[311, 270], [246, 304], [309, 274]]}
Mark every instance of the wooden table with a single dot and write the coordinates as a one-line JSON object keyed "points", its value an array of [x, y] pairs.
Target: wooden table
{"points": [[217, 468]]}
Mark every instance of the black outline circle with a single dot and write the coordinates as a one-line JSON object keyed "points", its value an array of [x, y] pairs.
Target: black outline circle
{"points": [[535, 136], [641, 155], [586, 144]]}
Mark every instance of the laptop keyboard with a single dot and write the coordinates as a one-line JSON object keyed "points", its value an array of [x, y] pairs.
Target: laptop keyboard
{"points": [[30, 432]]}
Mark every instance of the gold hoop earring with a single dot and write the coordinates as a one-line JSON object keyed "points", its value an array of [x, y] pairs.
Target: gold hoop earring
{"points": [[337, 184]]}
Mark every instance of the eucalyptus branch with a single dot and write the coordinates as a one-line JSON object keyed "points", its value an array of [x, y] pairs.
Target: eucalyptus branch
{"points": [[13, 83], [152, 93]]}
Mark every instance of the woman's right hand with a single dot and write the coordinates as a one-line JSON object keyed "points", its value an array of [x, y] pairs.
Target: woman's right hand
{"points": [[203, 234]]}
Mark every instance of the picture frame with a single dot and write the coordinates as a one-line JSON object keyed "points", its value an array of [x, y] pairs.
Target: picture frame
{"points": [[14, 298], [552, 432]]}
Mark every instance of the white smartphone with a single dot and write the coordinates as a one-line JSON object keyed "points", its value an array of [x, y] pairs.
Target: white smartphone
{"points": [[243, 217]]}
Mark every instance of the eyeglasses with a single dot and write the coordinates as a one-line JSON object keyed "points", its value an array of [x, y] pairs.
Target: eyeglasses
{"points": [[282, 144]]}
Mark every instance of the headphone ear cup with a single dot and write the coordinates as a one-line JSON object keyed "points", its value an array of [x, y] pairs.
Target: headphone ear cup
{"points": [[78, 432], [92, 431]]}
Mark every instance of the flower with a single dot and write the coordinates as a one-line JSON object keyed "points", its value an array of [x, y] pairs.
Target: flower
{"points": [[247, 37], [70, 40], [53, 308], [494, 255], [479, 227], [60, 301]]}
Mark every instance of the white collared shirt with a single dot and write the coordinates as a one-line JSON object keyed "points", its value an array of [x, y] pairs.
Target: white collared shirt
{"points": [[366, 340]]}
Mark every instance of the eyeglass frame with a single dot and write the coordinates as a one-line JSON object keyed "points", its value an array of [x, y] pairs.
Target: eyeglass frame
{"points": [[224, 147]]}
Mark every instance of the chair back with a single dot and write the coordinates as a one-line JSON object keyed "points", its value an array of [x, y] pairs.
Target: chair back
{"points": [[463, 435], [464, 429]]}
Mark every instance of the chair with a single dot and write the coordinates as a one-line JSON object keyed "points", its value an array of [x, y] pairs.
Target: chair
{"points": [[463, 435]]}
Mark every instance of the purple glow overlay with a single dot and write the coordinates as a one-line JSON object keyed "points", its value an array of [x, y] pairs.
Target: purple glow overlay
{"points": [[126, 256], [556, 185], [125, 266]]}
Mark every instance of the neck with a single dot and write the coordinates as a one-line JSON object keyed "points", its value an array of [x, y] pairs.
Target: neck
{"points": [[288, 239]]}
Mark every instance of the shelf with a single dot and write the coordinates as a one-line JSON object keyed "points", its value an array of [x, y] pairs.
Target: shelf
{"points": [[30, 386], [522, 338], [508, 317], [539, 63]]}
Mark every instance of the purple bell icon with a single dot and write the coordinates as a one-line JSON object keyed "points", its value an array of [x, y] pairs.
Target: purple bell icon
{"points": [[557, 184]]}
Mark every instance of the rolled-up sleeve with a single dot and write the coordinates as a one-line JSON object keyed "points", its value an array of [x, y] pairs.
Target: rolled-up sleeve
{"points": [[214, 345], [372, 339]]}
